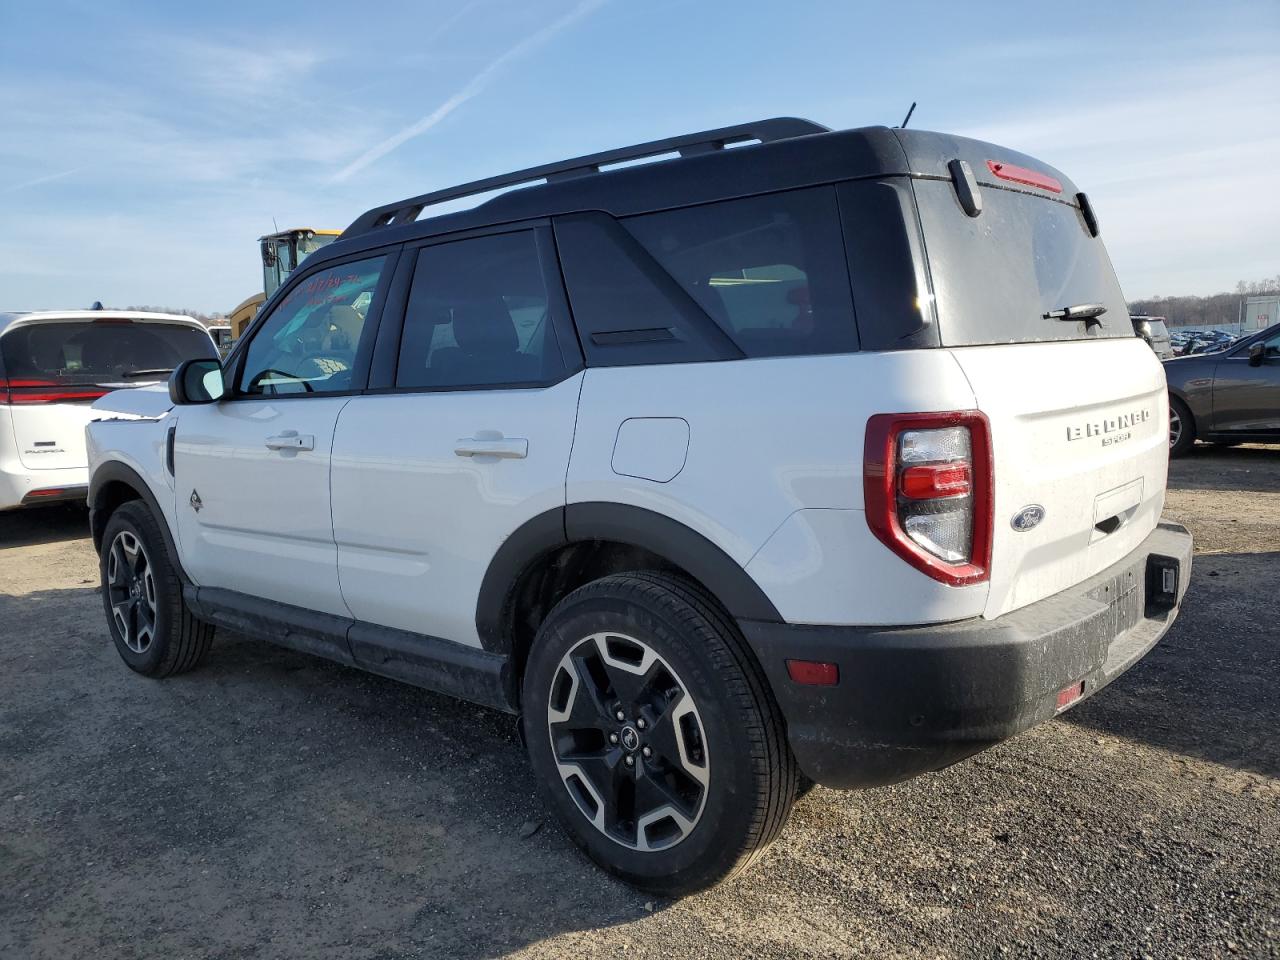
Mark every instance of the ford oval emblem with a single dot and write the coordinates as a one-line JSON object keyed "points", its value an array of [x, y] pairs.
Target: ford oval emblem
{"points": [[1028, 517]]}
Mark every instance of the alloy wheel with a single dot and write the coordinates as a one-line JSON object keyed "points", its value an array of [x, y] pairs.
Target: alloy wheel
{"points": [[1175, 428], [131, 587], [628, 741]]}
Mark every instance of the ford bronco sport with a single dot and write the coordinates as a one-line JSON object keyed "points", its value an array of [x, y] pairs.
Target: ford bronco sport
{"points": [[799, 456]]}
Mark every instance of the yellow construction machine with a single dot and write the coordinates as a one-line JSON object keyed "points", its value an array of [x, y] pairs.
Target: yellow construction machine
{"points": [[281, 253]]}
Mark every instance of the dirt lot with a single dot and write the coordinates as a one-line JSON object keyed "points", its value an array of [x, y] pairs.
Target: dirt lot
{"points": [[274, 805]]}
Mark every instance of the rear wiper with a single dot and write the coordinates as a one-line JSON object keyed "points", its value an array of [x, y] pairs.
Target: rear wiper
{"points": [[156, 372], [1081, 311]]}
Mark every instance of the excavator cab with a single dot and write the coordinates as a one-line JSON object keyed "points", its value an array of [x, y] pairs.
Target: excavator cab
{"points": [[283, 251], [281, 254]]}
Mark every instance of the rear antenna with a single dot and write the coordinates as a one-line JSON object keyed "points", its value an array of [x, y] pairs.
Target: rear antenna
{"points": [[276, 227], [907, 118]]}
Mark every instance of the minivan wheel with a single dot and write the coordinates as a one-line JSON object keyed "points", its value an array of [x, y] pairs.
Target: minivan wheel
{"points": [[654, 735], [154, 632], [1182, 428]]}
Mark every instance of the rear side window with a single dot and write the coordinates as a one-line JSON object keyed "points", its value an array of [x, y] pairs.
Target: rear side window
{"points": [[996, 275], [100, 351], [770, 271], [478, 315]]}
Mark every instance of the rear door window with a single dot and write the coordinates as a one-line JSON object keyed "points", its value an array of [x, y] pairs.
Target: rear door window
{"points": [[770, 271], [478, 315], [996, 275], [100, 351]]}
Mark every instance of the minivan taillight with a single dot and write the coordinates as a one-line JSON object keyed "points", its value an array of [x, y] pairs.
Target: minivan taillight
{"points": [[23, 391], [927, 488]]}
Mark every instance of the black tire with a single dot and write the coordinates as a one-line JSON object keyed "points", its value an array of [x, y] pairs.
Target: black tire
{"points": [[154, 632], [1182, 428], [731, 734]]}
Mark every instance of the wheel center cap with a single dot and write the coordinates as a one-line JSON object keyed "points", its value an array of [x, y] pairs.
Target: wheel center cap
{"points": [[134, 589], [630, 738]]}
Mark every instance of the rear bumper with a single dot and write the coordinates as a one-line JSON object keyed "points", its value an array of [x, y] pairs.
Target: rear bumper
{"points": [[26, 488], [914, 699]]}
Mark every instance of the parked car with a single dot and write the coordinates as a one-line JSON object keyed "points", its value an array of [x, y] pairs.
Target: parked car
{"points": [[1155, 333], [222, 338], [53, 365], [1226, 397], [711, 468]]}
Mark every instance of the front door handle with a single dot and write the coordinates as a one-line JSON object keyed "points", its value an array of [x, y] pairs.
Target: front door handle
{"points": [[507, 448], [291, 440]]}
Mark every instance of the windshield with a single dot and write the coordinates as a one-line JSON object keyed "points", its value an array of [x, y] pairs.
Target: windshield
{"points": [[100, 351], [995, 276]]}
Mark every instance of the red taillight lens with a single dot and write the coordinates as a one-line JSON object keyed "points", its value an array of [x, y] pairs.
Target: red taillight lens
{"points": [[935, 481], [21, 391], [927, 482]]}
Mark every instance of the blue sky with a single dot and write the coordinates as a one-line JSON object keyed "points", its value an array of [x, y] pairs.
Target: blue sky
{"points": [[145, 146]]}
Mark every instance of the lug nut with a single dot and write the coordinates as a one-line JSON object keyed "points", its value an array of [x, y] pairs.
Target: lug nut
{"points": [[620, 715], [630, 761], [647, 752], [613, 738], [641, 724]]}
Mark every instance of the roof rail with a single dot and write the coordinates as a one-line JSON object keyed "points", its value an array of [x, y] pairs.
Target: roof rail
{"points": [[690, 144]]}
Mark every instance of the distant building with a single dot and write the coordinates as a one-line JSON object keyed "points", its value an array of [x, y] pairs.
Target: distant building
{"points": [[1257, 313]]}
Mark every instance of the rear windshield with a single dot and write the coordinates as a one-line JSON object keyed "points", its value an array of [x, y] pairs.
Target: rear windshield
{"points": [[97, 351], [996, 275]]}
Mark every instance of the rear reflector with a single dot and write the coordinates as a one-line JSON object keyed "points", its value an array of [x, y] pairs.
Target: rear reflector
{"points": [[1032, 178], [34, 494], [1070, 695], [813, 673]]}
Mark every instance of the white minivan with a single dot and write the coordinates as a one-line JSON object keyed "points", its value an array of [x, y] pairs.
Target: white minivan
{"points": [[53, 365]]}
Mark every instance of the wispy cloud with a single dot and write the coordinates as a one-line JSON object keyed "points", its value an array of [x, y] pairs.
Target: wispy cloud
{"points": [[473, 88], [35, 182]]}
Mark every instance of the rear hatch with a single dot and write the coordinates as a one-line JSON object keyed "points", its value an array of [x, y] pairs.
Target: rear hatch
{"points": [[52, 370], [1028, 304]]}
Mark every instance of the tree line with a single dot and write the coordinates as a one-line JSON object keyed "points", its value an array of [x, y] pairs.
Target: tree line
{"points": [[1213, 310]]}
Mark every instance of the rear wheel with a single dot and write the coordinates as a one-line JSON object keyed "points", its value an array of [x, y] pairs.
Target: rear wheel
{"points": [[154, 632], [1182, 428], [654, 734]]}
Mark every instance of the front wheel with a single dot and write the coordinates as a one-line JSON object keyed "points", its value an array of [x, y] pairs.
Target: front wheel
{"points": [[654, 734], [154, 632]]}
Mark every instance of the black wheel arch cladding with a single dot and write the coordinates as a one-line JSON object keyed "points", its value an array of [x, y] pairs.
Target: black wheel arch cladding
{"points": [[682, 547]]}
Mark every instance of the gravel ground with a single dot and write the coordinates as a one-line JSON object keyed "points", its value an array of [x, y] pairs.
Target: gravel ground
{"points": [[275, 805]]}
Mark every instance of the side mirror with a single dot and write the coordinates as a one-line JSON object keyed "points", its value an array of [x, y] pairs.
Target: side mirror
{"points": [[1256, 353], [196, 381]]}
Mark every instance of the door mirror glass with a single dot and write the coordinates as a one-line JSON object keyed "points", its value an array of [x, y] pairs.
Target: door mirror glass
{"points": [[1256, 353], [197, 381]]}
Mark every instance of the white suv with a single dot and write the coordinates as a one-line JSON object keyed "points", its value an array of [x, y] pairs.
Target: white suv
{"points": [[53, 365], [831, 457]]}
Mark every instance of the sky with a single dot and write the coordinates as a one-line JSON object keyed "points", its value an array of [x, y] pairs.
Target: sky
{"points": [[145, 146]]}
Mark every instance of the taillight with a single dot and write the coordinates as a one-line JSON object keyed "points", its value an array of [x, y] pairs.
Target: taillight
{"points": [[21, 391], [927, 488]]}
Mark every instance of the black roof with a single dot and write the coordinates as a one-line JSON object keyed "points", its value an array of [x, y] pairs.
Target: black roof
{"points": [[790, 153]]}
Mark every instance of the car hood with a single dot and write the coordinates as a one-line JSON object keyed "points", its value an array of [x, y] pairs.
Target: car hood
{"points": [[137, 403]]}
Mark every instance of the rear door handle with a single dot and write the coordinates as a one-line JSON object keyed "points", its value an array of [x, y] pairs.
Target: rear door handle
{"points": [[291, 440], [508, 448]]}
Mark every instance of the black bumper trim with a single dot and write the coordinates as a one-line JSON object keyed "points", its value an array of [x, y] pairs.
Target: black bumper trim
{"points": [[79, 491], [914, 699]]}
